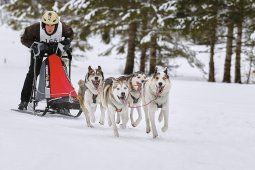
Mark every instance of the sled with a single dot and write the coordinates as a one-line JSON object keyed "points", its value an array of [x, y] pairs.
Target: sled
{"points": [[54, 87]]}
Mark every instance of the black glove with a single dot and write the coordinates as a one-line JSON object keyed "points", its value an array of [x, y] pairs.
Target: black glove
{"points": [[51, 48], [66, 41], [38, 48]]}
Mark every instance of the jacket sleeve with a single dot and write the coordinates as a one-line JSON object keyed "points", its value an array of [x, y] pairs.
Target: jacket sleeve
{"points": [[30, 35], [67, 31]]}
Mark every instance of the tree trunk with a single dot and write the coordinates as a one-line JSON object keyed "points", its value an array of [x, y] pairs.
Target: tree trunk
{"points": [[238, 53], [131, 48], [143, 46], [143, 57], [211, 63], [153, 54], [227, 66]]}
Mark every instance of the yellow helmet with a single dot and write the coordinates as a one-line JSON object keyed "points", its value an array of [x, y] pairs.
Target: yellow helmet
{"points": [[50, 18]]}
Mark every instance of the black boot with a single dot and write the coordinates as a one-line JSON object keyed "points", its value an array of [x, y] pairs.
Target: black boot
{"points": [[23, 105]]}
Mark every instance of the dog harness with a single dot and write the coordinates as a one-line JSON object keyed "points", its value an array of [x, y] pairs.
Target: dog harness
{"points": [[135, 100], [159, 105], [94, 98]]}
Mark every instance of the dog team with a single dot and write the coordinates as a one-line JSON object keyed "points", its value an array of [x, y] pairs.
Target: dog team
{"points": [[117, 95]]}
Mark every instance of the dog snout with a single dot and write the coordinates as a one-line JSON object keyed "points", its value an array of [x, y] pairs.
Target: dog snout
{"points": [[96, 78], [160, 83], [142, 81], [123, 94]]}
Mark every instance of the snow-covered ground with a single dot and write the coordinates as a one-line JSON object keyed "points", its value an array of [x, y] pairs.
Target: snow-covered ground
{"points": [[212, 126]]}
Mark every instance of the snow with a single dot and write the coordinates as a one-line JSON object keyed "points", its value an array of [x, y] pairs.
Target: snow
{"points": [[211, 125]]}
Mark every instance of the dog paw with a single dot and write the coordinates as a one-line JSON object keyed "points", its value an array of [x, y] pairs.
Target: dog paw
{"points": [[101, 122], [136, 123], [155, 136], [122, 126], [93, 120], [164, 128], [116, 134], [160, 117], [148, 129], [91, 126]]}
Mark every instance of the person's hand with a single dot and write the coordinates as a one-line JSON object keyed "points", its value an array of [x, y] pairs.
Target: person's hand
{"points": [[38, 48], [66, 43]]}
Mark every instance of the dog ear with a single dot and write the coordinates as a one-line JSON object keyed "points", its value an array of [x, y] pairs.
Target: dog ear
{"points": [[86, 77], [100, 70], [166, 71], [102, 75], [156, 70], [89, 68]]}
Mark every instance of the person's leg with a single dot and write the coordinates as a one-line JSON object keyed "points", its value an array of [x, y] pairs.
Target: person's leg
{"points": [[27, 87]]}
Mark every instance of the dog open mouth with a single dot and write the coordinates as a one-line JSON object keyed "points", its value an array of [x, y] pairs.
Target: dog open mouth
{"points": [[122, 99], [139, 86], [160, 89], [96, 83]]}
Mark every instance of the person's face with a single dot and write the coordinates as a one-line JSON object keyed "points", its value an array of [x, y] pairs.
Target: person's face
{"points": [[50, 28]]}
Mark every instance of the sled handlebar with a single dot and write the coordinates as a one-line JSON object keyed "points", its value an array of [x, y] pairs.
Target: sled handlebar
{"points": [[39, 48]]}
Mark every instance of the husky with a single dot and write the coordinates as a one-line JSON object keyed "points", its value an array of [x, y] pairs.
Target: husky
{"points": [[114, 100], [135, 85], [89, 95], [156, 95]]}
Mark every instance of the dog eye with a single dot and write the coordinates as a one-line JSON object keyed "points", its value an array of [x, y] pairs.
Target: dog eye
{"points": [[118, 88], [157, 78], [125, 88], [138, 77]]}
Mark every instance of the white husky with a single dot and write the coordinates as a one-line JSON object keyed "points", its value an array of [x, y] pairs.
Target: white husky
{"points": [[114, 99], [156, 95], [89, 94], [135, 84]]}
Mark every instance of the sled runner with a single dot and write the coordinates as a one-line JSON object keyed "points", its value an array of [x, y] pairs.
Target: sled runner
{"points": [[54, 84]]}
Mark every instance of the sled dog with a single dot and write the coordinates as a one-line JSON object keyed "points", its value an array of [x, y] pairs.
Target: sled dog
{"points": [[89, 94], [114, 100], [156, 95], [135, 85]]}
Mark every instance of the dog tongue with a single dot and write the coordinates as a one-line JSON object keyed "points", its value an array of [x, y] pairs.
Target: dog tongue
{"points": [[160, 89], [122, 99], [96, 83], [139, 86]]}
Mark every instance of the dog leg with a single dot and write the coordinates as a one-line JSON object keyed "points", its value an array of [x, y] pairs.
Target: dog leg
{"points": [[131, 117], [109, 119], [91, 110], [118, 118], [124, 118], [85, 111], [102, 117], [152, 119], [161, 114], [147, 120], [112, 117], [165, 127], [138, 120]]}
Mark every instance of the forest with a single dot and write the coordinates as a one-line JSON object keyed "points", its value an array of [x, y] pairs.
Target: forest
{"points": [[155, 31]]}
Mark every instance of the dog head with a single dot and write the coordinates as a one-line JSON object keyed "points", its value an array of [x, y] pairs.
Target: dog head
{"points": [[94, 76], [120, 91], [160, 80], [137, 80]]}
